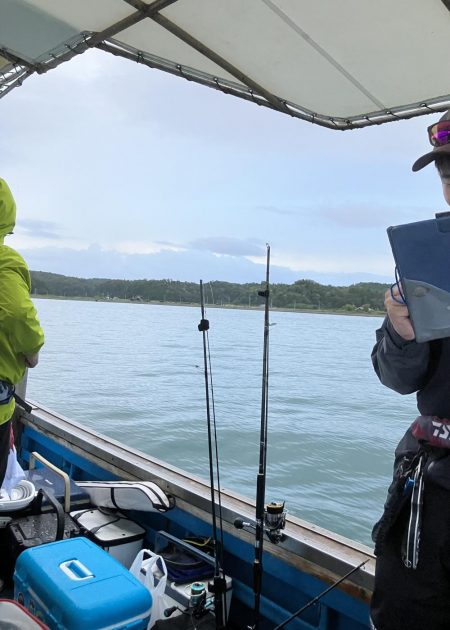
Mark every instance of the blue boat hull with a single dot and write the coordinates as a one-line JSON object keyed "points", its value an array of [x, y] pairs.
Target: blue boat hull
{"points": [[295, 571]]}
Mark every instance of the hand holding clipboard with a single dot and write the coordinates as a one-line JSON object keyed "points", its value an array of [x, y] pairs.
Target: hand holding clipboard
{"points": [[422, 255]]}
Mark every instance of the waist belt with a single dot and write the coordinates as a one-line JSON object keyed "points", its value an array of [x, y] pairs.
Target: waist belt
{"points": [[431, 429], [422, 457], [6, 392], [435, 432]]}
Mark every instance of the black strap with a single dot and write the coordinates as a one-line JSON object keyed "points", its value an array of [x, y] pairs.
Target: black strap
{"points": [[76, 517], [22, 403], [113, 498], [60, 515], [94, 530]]}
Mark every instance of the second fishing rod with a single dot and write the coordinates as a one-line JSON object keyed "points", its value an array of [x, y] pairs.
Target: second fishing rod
{"points": [[269, 518]]}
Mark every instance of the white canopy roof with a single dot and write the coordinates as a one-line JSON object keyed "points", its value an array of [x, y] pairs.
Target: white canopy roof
{"points": [[338, 63]]}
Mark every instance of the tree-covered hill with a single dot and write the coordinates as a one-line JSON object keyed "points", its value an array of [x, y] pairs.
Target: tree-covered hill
{"points": [[301, 295]]}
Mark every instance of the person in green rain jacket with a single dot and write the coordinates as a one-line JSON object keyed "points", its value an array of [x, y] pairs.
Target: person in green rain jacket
{"points": [[21, 336]]}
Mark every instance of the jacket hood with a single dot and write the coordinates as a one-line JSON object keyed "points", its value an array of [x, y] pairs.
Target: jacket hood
{"points": [[7, 210]]}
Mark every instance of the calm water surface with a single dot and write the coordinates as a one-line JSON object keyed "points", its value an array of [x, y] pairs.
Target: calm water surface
{"points": [[135, 373]]}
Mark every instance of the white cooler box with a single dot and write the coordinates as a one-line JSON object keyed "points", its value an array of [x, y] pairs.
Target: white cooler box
{"points": [[121, 537]]}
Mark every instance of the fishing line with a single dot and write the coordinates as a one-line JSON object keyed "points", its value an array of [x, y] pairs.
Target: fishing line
{"points": [[219, 492], [212, 292], [319, 597], [219, 585]]}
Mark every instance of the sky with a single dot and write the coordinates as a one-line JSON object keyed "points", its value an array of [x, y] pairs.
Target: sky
{"points": [[120, 171]]}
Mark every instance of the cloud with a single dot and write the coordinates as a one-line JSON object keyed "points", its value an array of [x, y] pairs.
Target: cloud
{"points": [[170, 176], [144, 247], [170, 245], [228, 245], [276, 210], [185, 266], [38, 229], [364, 215]]}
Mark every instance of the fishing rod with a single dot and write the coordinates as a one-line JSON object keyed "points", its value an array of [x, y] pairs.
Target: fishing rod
{"points": [[261, 478], [319, 597], [218, 586], [271, 518]]}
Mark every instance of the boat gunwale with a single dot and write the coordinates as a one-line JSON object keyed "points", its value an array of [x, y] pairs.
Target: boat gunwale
{"points": [[306, 546]]}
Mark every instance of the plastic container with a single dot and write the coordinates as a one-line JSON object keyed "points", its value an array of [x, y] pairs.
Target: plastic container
{"points": [[73, 584], [13, 616], [21, 496], [118, 535]]}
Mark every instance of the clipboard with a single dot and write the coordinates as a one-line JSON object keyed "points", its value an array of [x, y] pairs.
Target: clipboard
{"points": [[421, 252]]}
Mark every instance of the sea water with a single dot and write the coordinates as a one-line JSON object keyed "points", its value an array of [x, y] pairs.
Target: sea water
{"points": [[135, 373]]}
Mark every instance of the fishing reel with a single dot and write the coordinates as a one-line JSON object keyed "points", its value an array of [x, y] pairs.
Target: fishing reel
{"points": [[198, 602], [197, 599], [274, 521]]}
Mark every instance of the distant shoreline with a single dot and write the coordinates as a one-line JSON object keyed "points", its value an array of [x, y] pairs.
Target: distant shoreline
{"points": [[312, 311]]}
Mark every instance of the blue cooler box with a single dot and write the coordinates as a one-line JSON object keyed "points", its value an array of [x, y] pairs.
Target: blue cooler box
{"points": [[73, 584]]}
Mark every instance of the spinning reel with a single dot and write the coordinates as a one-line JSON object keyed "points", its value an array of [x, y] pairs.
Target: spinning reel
{"points": [[274, 521]]}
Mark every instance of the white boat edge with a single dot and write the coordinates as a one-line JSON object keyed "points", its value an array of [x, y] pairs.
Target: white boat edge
{"points": [[307, 547]]}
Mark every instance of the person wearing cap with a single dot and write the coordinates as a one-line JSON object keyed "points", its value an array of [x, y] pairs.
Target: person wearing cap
{"points": [[21, 336], [412, 538]]}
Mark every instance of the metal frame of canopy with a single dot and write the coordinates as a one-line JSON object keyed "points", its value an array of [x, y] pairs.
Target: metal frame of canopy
{"points": [[15, 68]]}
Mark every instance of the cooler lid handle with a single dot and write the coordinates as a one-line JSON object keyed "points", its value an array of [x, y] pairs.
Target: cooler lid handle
{"points": [[75, 570]]}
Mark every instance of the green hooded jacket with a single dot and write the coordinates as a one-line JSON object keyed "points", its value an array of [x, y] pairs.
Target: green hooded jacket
{"points": [[20, 332]]}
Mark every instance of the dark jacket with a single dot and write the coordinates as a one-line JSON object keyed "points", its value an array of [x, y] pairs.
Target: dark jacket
{"points": [[407, 367], [403, 597]]}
